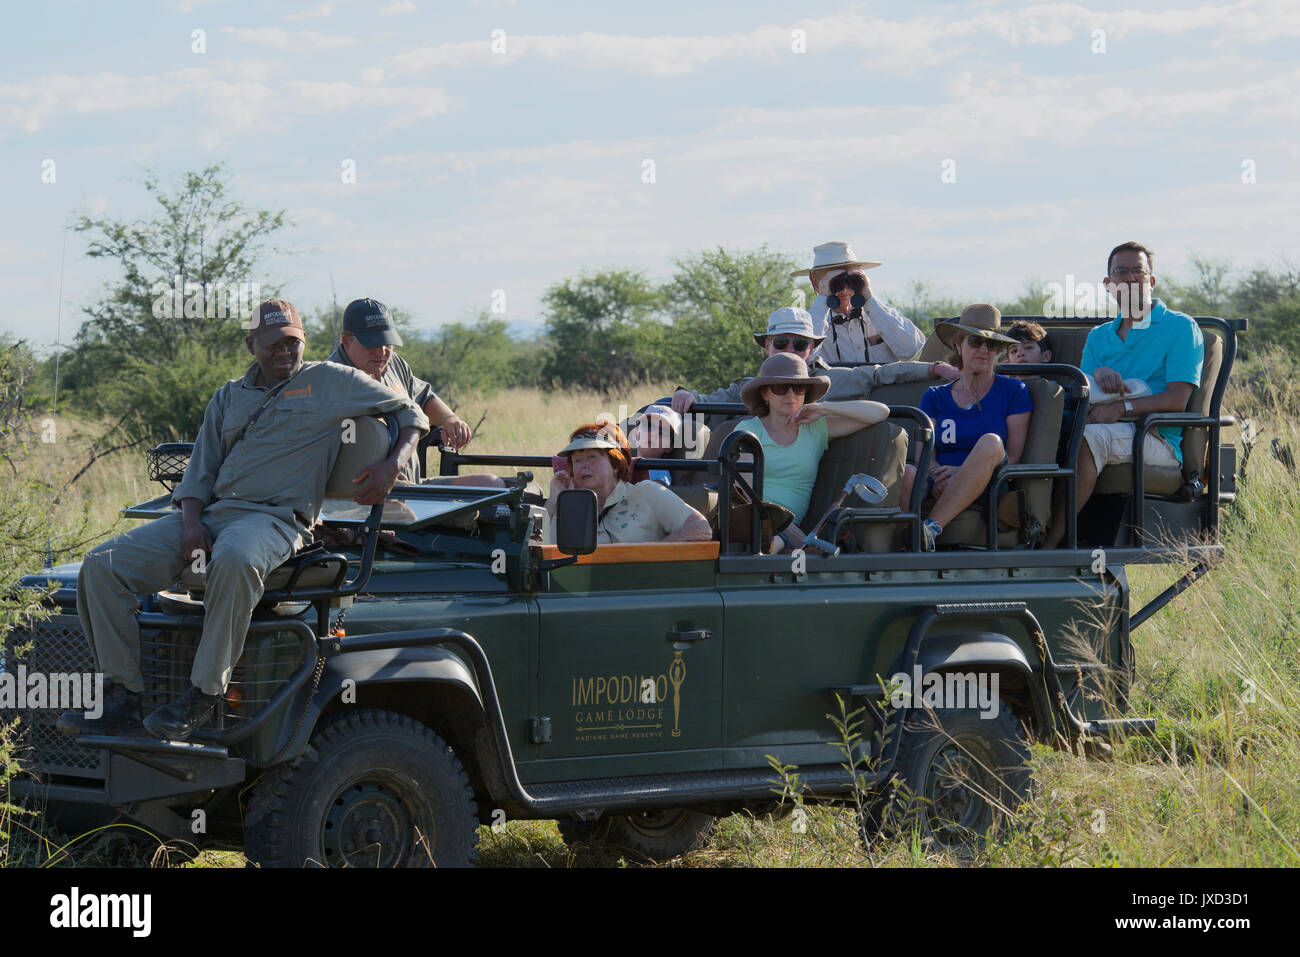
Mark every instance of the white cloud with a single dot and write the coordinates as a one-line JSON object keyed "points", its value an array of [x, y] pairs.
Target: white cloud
{"points": [[318, 12], [397, 8], [235, 96], [407, 103], [281, 39], [30, 105], [868, 42]]}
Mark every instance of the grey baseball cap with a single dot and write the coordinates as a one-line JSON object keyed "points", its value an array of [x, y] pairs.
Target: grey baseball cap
{"points": [[371, 322]]}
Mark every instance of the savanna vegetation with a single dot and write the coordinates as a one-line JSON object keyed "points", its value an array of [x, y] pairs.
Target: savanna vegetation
{"points": [[1219, 669]]}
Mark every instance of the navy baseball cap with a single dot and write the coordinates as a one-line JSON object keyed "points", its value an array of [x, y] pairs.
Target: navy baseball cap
{"points": [[371, 323]]}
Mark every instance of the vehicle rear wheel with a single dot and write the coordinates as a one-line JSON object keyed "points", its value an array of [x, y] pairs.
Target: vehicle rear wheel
{"points": [[962, 774], [375, 789], [657, 835]]}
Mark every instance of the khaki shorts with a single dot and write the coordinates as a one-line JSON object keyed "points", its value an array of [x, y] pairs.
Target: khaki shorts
{"points": [[1112, 444]]}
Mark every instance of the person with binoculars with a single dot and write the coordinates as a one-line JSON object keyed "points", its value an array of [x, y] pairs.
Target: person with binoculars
{"points": [[856, 325]]}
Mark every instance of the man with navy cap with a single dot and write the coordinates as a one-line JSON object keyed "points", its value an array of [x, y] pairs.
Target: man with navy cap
{"points": [[366, 343]]}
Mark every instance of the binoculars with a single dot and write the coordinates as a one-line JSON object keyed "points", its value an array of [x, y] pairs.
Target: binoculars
{"points": [[855, 282]]}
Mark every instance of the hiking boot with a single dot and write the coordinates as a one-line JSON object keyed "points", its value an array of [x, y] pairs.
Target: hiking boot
{"points": [[176, 720], [121, 713]]}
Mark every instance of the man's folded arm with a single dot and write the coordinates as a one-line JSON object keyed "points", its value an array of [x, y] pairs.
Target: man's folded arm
{"points": [[362, 395], [730, 394]]}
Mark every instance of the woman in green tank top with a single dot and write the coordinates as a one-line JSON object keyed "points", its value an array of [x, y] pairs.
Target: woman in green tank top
{"points": [[794, 429]]}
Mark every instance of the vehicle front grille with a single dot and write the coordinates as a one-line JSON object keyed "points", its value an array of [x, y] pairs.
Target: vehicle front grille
{"points": [[57, 646]]}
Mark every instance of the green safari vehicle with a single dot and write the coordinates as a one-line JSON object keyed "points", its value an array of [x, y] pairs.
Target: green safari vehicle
{"points": [[442, 668]]}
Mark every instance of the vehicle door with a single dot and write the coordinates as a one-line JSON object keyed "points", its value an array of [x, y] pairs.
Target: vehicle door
{"points": [[630, 666]]}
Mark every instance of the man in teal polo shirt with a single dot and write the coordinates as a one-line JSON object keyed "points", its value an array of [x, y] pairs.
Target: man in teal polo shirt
{"points": [[1147, 341]]}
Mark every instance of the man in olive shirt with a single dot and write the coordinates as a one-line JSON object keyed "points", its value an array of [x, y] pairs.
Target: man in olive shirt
{"points": [[366, 343], [251, 493]]}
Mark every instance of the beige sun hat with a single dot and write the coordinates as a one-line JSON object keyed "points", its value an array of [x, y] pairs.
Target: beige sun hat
{"points": [[980, 320], [777, 370], [834, 255]]}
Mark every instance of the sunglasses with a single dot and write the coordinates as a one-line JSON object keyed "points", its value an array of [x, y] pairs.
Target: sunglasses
{"points": [[855, 282], [979, 342], [781, 343], [799, 388]]}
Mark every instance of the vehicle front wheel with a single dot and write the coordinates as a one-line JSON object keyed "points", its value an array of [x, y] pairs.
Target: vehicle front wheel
{"points": [[656, 835], [961, 774], [374, 789]]}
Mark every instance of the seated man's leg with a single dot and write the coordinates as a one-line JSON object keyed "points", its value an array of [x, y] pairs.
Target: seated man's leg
{"points": [[112, 577], [247, 546]]}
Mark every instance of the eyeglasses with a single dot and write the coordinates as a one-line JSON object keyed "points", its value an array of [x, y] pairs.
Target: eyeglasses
{"points": [[1123, 272], [781, 343], [855, 282], [979, 342], [799, 389]]}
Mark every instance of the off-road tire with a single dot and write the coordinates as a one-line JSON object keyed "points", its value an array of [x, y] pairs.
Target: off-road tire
{"points": [[958, 776], [646, 835], [365, 766]]}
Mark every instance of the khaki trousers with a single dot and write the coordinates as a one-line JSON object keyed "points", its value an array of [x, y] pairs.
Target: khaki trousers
{"points": [[247, 546]]}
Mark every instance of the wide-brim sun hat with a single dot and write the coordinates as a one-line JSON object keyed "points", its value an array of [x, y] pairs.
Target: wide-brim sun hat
{"points": [[834, 255], [789, 321], [979, 320], [780, 369]]}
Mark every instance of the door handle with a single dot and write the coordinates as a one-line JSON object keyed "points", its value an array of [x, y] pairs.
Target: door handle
{"points": [[698, 634]]}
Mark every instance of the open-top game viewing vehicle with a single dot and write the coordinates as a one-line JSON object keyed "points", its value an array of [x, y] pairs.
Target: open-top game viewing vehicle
{"points": [[448, 669]]}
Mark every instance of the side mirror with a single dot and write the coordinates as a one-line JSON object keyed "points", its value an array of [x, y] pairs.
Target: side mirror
{"points": [[868, 488], [575, 521]]}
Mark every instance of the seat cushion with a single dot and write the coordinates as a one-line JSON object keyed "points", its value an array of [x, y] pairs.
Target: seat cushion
{"points": [[314, 576]]}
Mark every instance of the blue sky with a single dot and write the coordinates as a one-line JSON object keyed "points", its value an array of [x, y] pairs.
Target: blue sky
{"points": [[479, 170]]}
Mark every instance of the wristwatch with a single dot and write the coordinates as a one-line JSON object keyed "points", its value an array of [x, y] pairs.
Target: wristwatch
{"points": [[1128, 407]]}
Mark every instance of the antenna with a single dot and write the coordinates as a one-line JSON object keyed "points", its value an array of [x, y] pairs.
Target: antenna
{"points": [[334, 316], [58, 339]]}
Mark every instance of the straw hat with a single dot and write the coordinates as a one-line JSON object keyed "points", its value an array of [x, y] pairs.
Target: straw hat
{"points": [[980, 320], [777, 370], [834, 255]]}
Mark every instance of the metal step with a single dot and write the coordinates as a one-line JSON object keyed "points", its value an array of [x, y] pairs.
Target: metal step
{"points": [[686, 788]]}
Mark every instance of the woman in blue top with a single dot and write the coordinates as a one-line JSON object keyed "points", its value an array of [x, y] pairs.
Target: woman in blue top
{"points": [[794, 430], [980, 419]]}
